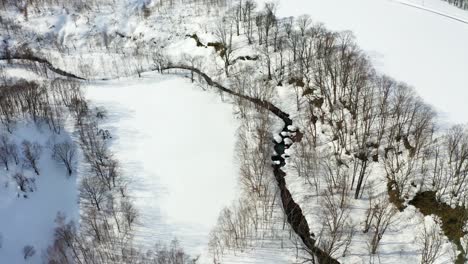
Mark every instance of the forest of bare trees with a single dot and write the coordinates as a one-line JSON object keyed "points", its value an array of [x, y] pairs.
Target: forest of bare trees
{"points": [[371, 122], [107, 214]]}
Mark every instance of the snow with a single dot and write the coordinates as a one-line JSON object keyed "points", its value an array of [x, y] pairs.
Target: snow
{"points": [[288, 141], [176, 145], [261, 255], [424, 49], [277, 138], [31, 221], [399, 244]]}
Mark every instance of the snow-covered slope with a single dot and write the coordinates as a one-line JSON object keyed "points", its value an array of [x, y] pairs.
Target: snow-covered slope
{"points": [[424, 49], [176, 144], [30, 220]]}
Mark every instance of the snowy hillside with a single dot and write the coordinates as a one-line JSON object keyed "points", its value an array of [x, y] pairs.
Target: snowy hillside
{"points": [[28, 216], [426, 50], [36, 186]]}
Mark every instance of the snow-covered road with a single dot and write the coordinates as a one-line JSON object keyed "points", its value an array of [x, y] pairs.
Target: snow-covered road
{"points": [[176, 145]]}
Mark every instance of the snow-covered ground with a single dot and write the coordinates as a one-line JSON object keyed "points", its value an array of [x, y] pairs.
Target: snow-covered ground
{"points": [[426, 50], [175, 143], [31, 220]]}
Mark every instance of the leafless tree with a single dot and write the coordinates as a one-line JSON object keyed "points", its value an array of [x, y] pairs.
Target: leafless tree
{"points": [[93, 192], [430, 243], [172, 254], [269, 21], [259, 22], [129, 212], [24, 183], [28, 251], [248, 19], [5, 151], [304, 22], [31, 154], [457, 152], [305, 162], [64, 239], [64, 153], [382, 215], [224, 34], [236, 11], [337, 231]]}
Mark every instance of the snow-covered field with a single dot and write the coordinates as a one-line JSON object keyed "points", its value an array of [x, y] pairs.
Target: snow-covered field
{"points": [[175, 143], [426, 50]]}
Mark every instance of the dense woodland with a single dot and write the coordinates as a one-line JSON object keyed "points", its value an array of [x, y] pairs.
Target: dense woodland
{"points": [[361, 136]]}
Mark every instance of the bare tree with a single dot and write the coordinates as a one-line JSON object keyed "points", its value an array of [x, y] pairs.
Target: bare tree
{"points": [[305, 162], [5, 155], [430, 243], [65, 153], [28, 251], [269, 21], [457, 152], [24, 183], [248, 20], [129, 212], [224, 34], [64, 245], [382, 213], [172, 254], [304, 22], [236, 11], [337, 231], [93, 192], [31, 155]]}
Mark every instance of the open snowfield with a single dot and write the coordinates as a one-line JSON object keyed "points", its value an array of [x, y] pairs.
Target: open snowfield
{"points": [[426, 50], [176, 145]]}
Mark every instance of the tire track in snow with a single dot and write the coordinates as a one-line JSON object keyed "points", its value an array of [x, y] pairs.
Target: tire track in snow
{"points": [[431, 11]]}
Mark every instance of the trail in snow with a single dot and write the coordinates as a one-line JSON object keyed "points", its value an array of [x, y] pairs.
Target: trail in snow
{"points": [[431, 10]]}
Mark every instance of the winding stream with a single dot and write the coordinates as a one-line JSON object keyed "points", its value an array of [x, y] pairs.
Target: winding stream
{"points": [[292, 210]]}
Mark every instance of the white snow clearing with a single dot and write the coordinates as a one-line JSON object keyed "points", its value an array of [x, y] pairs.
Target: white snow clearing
{"points": [[176, 145], [426, 50]]}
